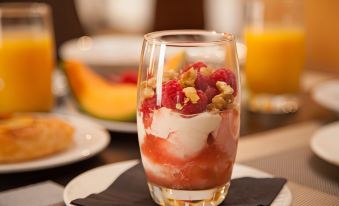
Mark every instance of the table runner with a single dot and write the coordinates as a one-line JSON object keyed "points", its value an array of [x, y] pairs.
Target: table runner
{"points": [[285, 152]]}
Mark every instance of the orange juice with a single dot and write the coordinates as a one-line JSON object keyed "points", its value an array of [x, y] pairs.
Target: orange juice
{"points": [[275, 59], [26, 65]]}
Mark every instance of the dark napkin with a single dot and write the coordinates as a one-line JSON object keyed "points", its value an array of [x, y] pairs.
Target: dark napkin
{"points": [[130, 189]]}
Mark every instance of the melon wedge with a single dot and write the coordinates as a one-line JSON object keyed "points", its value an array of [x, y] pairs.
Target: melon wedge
{"points": [[98, 97], [176, 62]]}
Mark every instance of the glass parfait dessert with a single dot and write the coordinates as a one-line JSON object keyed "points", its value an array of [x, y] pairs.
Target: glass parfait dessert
{"points": [[188, 115]]}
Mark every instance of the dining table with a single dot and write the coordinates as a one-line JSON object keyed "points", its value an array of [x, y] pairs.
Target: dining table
{"points": [[277, 144]]}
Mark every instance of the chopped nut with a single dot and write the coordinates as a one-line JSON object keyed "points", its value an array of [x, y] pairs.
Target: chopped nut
{"points": [[205, 71], [143, 84], [152, 82], [188, 78], [191, 94], [179, 106], [224, 88], [219, 102], [148, 92], [170, 74], [222, 101], [229, 99], [211, 108]]}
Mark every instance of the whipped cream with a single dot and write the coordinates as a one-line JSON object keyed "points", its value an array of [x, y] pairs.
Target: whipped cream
{"points": [[187, 135]]}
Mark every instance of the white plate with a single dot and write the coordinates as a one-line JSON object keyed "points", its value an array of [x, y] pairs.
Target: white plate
{"points": [[98, 179], [325, 143], [125, 127], [89, 139], [111, 50], [104, 50], [327, 94]]}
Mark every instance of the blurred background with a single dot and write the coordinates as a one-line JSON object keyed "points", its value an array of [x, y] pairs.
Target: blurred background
{"points": [[75, 18]]}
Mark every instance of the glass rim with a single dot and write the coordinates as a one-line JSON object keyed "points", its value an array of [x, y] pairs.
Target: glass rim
{"points": [[17, 9], [153, 37]]}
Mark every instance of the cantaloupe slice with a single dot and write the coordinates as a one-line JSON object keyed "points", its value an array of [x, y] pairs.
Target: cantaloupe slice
{"points": [[98, 97], [176, 62]]}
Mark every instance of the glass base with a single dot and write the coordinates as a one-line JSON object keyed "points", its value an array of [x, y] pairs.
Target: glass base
{"points": [[170, 197], [273, 104]]}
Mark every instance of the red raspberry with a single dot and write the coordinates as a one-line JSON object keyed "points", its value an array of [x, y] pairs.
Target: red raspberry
{"points": [[225, 75], [129, 76], [148, 105], [201, 82], [198, 107], [210, 93], [172, 94], [196, 66]]}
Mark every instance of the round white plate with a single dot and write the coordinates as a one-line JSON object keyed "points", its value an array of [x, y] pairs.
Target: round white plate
{"points": [[70, 107], [89, 139], [98, 179], [105, 50], [327, 94], [113, 50], [325, 143], [116, 126]]}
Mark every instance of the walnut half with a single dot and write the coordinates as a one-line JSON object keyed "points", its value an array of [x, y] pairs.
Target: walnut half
{"points": [[188, 78], [222, 100], [148, 92], [191, 94]]}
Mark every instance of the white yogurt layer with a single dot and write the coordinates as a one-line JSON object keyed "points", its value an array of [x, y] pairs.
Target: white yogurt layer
{"points": [[187, 135]]}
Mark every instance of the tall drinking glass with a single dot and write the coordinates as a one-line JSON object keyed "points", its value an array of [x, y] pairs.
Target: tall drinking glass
{"points": [[26, 57], [274, 36], [188, 115]]}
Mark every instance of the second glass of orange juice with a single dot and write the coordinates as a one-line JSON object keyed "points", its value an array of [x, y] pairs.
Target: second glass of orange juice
{"points": [[275, 37], [26, 58]]}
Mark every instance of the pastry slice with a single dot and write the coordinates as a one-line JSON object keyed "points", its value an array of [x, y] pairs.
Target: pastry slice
{"points": [[26, 137]]}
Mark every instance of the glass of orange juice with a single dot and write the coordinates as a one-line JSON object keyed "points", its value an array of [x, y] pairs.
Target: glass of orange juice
{"points": [[26, 57], [275, 38]]}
